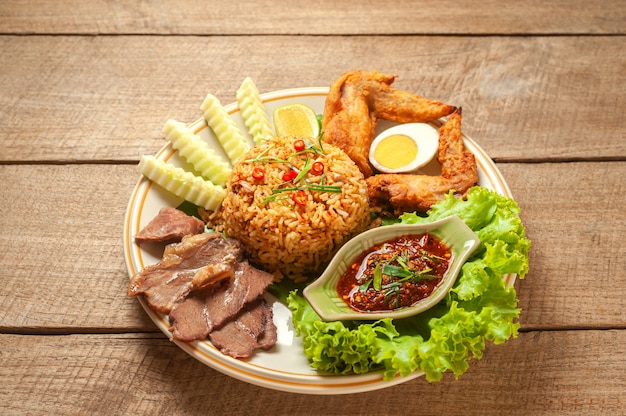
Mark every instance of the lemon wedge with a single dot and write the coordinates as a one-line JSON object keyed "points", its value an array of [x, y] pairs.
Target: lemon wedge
{"points": [[296, 120]]}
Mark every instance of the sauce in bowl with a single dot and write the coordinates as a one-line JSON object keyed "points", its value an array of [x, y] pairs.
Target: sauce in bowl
{"points": [[395, 274]]}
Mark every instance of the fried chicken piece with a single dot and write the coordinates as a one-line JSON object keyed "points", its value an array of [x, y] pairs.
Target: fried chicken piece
{"points": [[398, 193], [358, 99]]}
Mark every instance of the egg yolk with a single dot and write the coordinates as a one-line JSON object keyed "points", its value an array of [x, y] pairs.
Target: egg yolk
{"points": [[395, 151]]}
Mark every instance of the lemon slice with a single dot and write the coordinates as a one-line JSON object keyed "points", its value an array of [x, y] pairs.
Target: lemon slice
{"points": [[296, 120]]}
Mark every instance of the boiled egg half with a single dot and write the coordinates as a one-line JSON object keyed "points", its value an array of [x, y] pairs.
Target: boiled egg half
{"points": [[404, 148]]}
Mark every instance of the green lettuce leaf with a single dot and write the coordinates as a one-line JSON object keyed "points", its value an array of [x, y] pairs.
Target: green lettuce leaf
{"points": [[479, 307]]}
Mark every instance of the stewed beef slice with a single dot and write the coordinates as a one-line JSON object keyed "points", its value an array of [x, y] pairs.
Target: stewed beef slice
{"points": [[205, 309], [270, 333], [189, 318], [170, 225], [251, 329], [194, 262]]}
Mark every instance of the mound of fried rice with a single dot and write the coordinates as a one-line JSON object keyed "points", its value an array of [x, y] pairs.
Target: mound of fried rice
{"points": [[283, 234]]}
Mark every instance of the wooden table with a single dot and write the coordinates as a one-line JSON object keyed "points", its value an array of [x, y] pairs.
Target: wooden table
{"points": [[86, 87]]}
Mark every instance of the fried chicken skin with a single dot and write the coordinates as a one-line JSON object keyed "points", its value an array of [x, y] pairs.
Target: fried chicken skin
{"points": [[399, 193], [356, 101]]}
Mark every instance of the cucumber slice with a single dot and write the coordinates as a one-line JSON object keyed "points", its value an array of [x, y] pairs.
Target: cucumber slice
{"points": [[181, 183], [225, 129], [252, 111], [197, 152]]}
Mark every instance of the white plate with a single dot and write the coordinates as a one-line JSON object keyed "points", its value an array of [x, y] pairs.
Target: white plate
{"points": [[285, 366]]}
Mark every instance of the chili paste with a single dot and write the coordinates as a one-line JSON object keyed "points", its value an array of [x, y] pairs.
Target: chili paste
{"points": [[395, 274]]}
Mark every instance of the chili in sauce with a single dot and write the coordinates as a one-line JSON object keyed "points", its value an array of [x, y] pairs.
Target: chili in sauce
{"points": [[395, 274]]}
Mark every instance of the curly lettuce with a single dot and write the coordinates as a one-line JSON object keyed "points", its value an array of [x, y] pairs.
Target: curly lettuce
{"points": [[478, 308]]}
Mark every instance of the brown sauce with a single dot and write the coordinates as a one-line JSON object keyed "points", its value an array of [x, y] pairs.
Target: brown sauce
{"points": [[395, 274]]}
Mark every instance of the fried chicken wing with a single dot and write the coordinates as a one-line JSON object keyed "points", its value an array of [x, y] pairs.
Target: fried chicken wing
{"points": [[356, 101], [398, 193]]}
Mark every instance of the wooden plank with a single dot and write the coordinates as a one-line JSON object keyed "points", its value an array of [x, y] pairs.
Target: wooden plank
{"points": [[547, 373], [574, 215], [320, 17], [62, 248], [63, 261], [106, 98]]}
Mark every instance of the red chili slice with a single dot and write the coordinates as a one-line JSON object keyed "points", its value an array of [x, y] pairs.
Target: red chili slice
{"points": [[317, 168], [258, 173], [289, 175], [299, 145], [299, 197]]}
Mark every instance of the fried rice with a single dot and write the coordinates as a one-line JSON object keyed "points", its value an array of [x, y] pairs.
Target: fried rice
{"points": [[291, 208]]}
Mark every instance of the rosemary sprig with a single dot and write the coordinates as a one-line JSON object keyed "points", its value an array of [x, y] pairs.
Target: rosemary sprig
{"points": [[260, 157], [323, 188], [308, 186], [274, 197], [270, 159], [305, 169], [301, 181]]}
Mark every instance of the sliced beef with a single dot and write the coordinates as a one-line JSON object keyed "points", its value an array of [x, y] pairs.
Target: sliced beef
{"points": [[210, 291], [211, 274], [189, 317], [203, 310], [270, 333], [251, 329], [247, 285], [196, 261], [170, 225]]}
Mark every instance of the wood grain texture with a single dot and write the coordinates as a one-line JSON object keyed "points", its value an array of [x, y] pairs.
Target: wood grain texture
{"points": [[66, 240], [306, 17], [62, 234], [539, 373], [574, 215], [73, 98], [87, 85]]}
